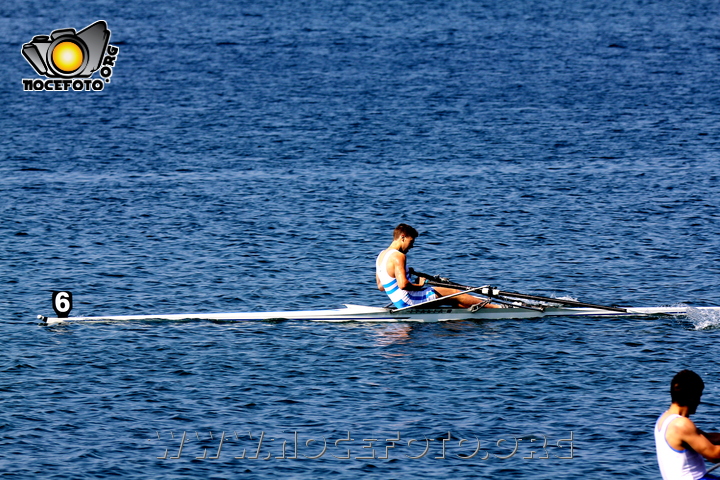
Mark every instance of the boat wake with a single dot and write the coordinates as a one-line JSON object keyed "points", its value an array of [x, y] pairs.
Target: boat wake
{"points": [[704, 319]]}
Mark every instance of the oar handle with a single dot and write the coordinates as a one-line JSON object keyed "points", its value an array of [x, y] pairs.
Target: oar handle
{"points": [[434, 278], [438, 281]]}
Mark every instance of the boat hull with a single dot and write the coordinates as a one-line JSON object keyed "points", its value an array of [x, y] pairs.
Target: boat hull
{"points": [[359, 313]]}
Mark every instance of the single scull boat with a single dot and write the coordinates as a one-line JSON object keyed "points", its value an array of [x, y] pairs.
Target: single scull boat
{"points": [[428, 312]]}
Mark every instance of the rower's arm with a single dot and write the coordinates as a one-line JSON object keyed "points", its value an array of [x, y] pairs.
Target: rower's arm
{"points": [[714, 437], [694, 437], [398, 264]]}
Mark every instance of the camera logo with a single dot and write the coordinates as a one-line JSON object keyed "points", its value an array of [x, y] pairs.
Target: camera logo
{"points": [[66, 57]]}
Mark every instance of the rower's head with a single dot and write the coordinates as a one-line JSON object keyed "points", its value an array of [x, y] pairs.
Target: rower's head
{"points": [[686, 388], [404, 236]]}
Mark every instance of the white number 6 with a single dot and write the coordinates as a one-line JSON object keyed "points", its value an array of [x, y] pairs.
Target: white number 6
{"points": [[62, 303]]}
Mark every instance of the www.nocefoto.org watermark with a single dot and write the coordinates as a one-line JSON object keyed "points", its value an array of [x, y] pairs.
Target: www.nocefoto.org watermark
{"points": [[296, 446], [68, 59]]}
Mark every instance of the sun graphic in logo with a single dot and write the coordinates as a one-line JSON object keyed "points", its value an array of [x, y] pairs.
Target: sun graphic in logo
{"points": [[67, 56]]}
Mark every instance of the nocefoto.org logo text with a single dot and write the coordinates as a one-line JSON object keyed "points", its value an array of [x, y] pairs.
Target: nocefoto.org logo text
{"points": [[68, 59]]}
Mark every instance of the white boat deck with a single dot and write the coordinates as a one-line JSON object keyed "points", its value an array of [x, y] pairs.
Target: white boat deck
{"points": [[359, 313]]}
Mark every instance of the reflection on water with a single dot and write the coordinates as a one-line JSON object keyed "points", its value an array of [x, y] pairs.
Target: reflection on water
{"points": [[394, 334], [387, 335]]}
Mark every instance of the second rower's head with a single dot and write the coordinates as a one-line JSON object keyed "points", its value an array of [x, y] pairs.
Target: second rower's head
{"points": [[686, 388], [404, 237]]}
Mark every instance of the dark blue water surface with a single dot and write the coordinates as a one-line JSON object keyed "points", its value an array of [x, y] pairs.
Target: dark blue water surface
{"points": [[251, 156]]}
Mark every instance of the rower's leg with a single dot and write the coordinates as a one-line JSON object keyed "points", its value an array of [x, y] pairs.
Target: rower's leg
{"points": [[463, 301]]}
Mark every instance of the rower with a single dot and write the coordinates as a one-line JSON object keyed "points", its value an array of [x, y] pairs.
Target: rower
{"points": [[391, 275], [680, 445]]}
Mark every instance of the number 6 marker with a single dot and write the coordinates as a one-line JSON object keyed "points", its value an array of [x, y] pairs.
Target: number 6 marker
{"points": [[62, 303]]}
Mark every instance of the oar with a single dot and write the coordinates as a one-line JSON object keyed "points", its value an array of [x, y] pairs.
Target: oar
{"points": [[462, 292], [493, 292], [712, 468], [437, 300], [444, 282]]}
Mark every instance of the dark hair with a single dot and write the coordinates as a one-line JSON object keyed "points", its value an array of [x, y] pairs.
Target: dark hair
{"points": [[686, 388], [404, 229]]}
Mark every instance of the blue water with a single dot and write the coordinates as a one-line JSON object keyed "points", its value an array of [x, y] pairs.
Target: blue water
{"points": [[256, 156]]}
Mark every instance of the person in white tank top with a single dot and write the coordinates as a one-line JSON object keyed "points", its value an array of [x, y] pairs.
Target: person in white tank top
{"points": [[680, 445], [391, 274]]}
